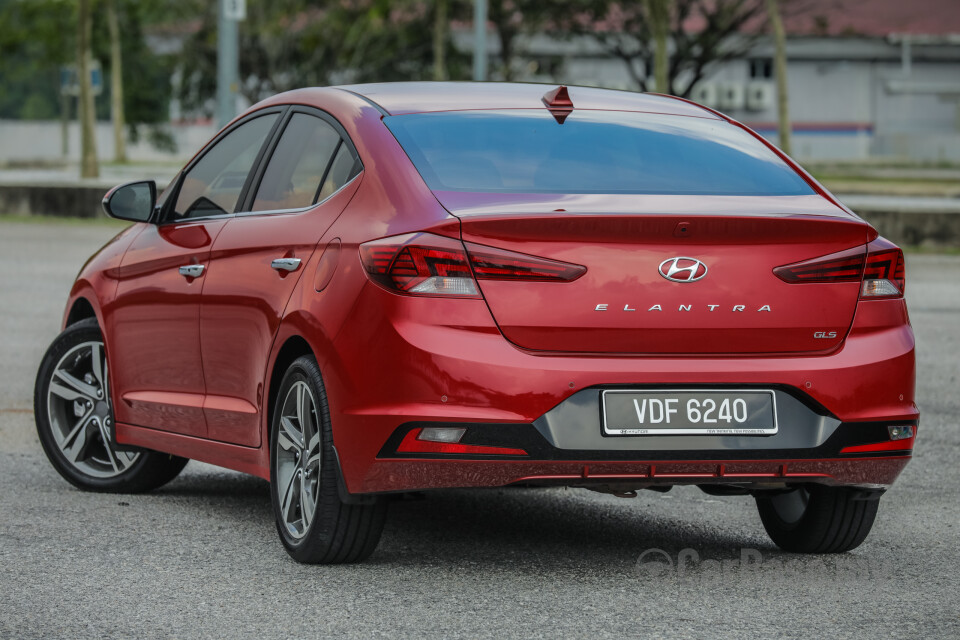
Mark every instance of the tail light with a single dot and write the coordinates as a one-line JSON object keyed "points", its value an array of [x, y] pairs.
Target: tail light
{"points": [[879, 266], [427, 264], [843, 266]]}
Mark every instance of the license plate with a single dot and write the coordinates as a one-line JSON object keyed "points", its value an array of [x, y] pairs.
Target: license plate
{"points": [[689, 412]]}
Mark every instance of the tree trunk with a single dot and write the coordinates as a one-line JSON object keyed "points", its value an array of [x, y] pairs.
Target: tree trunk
{"points": [[116, 84], [780, 69], [88, 142], [659, 12], [440, 41]]}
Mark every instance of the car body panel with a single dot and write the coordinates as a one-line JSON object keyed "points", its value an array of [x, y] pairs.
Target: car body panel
{"points": [[418, 97], [243, 302], [153, 329]]}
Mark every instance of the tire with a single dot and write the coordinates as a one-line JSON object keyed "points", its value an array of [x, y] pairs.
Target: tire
{"points": [[817, 518], [74, 416], [304, 470]]}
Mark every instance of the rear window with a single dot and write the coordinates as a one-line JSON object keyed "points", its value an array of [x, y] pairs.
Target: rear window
{"points": [[526, 151]]}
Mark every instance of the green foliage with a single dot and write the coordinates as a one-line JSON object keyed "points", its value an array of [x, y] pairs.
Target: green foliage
{"points": [[286, 44], [37, 37]]}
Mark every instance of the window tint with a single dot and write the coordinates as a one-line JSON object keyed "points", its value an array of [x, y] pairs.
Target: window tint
{"points": [[213, 185], [297, 166], [527, 151], [342, 170]]}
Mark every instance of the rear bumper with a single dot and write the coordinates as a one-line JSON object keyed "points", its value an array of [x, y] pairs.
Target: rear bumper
{"points": [[430, 360], [410, 475]]}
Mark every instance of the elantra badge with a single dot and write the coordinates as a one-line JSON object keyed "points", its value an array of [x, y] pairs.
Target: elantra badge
{"points": [[683, 269]]}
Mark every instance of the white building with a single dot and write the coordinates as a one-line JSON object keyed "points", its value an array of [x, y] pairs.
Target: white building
{"points": [[866, 78]]}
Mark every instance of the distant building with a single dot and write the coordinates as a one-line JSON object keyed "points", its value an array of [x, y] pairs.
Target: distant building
{"points": [[866, 78]]}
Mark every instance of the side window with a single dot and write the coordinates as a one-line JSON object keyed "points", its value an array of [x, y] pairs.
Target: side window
{"points": [[342, 170], [298, 165], [213, 185]]}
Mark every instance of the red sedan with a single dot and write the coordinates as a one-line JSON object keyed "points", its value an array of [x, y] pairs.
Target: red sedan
{"points": [[366, 290]]}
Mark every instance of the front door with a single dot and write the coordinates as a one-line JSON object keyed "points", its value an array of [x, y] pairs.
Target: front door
{"points": [[154, 332]]}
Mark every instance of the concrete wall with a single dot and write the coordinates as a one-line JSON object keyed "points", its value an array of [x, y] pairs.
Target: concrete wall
{"points": [[23, 141], [74, 201]]}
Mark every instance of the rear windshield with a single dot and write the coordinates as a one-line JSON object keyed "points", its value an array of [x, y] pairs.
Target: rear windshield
{"points": [[527, 151]]}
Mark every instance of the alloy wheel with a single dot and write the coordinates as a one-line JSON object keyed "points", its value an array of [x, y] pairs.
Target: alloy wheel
{"points": [[80, 414], [298, 460]]}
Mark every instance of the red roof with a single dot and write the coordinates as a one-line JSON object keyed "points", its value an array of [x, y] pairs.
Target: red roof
{"points": [[877, 18]]}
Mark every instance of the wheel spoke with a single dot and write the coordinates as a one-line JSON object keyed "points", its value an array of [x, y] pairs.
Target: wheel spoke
{"points": [[81, 424], [67, 393], [78, 450], [96, 360], [76, 384], [307, 504], [107, 445], [289, 498], [302, 397], [289, 438]]}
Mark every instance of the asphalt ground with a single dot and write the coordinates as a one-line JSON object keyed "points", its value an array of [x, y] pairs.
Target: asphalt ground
{"points": [[200, 557]]}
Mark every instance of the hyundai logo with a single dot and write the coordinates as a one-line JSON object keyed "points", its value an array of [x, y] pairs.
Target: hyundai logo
{"points": [[682, 269]]}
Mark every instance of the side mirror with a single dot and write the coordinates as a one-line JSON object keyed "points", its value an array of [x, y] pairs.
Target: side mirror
{"points": [[134, 201]]}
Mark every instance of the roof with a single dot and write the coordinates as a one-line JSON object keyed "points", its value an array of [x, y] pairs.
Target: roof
{"points": [[876, 18], [417, 97]]}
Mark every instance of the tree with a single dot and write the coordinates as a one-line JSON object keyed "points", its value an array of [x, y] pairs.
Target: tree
{"points": [[89, 167], [287, 44], [780, 69], [116, 83], [514, 18], [38, 38], [659, 12], [703, 32], [440, 28]]}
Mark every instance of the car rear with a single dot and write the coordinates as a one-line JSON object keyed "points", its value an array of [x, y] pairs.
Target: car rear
{"points": [[628, 300]]}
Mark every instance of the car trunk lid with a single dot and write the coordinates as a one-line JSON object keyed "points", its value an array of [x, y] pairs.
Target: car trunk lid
{"points": [[720, 297]]}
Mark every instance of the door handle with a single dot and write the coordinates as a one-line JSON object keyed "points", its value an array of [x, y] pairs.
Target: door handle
{"points": [[286, 264], [192, 270]]}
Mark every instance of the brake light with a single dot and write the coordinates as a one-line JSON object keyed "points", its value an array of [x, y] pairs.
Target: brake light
{"points": [[879, 266], [427, 264], [843, 266], [883, 276]]}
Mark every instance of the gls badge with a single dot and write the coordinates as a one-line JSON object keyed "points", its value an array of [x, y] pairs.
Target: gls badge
{"points": [[825, 335]]}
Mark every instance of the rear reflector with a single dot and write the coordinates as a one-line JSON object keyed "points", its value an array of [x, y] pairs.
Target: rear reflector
{"points": [[415, 442], [890, 445], [902, 438], [879, 266], [431, 265]]}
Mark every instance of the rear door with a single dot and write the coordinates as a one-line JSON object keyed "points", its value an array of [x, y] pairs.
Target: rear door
{"points": [[305, 182], [154, 330]]}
